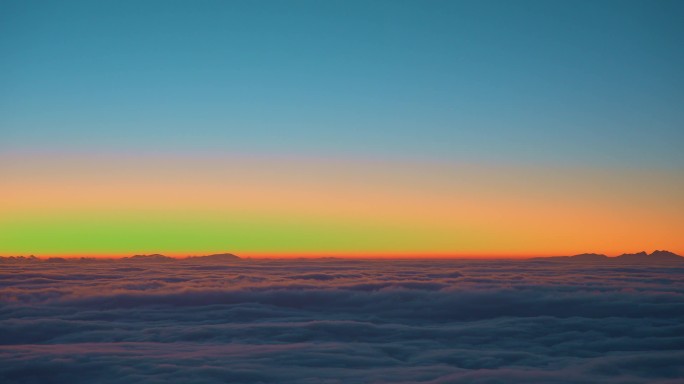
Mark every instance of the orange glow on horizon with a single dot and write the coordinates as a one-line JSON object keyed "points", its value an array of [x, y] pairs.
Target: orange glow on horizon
{"points": [[323, 255], [296, 207]]}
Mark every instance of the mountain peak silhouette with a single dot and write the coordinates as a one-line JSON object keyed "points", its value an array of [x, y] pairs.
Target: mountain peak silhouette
{"points": [[153, 257], [215, 257], [665, 255], [653, 257], [589, 256], [639, 257], [634, 255]]}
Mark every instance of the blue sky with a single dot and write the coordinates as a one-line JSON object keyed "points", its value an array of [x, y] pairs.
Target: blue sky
{"points": [[589, 82]]}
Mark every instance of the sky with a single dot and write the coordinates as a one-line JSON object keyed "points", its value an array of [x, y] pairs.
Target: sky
{"points": [[360, 128]]}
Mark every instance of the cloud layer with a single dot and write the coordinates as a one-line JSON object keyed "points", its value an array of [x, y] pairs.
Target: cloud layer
{"points": [[340, 321]]}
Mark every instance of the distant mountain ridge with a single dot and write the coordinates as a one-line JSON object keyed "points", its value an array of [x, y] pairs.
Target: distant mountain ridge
{"points": [[161, 258], [658, 256], [639, 257], [590, 256], [153, 258], [654, 256], [215, 257]]}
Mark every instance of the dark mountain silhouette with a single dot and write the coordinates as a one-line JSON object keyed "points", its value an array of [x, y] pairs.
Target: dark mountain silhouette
{"points": [[639, 257], [582, 257], [656, 256], [665, 255], [56, 260], [20, 259], [155, 257], [218, 257], [589, 257], [215, 257]]}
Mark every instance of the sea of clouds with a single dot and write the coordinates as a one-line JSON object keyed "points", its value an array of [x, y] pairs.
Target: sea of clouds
{"points": [[340, 321]]}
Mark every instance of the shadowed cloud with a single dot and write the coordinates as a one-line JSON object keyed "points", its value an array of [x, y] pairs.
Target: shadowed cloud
{"points": [[340, 321]]}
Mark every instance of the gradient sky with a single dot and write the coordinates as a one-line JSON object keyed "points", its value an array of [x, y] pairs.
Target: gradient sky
{"points": [[341, 127]]}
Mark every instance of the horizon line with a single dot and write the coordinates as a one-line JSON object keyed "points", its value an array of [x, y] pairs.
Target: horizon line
{"points": [[321, 255]]}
